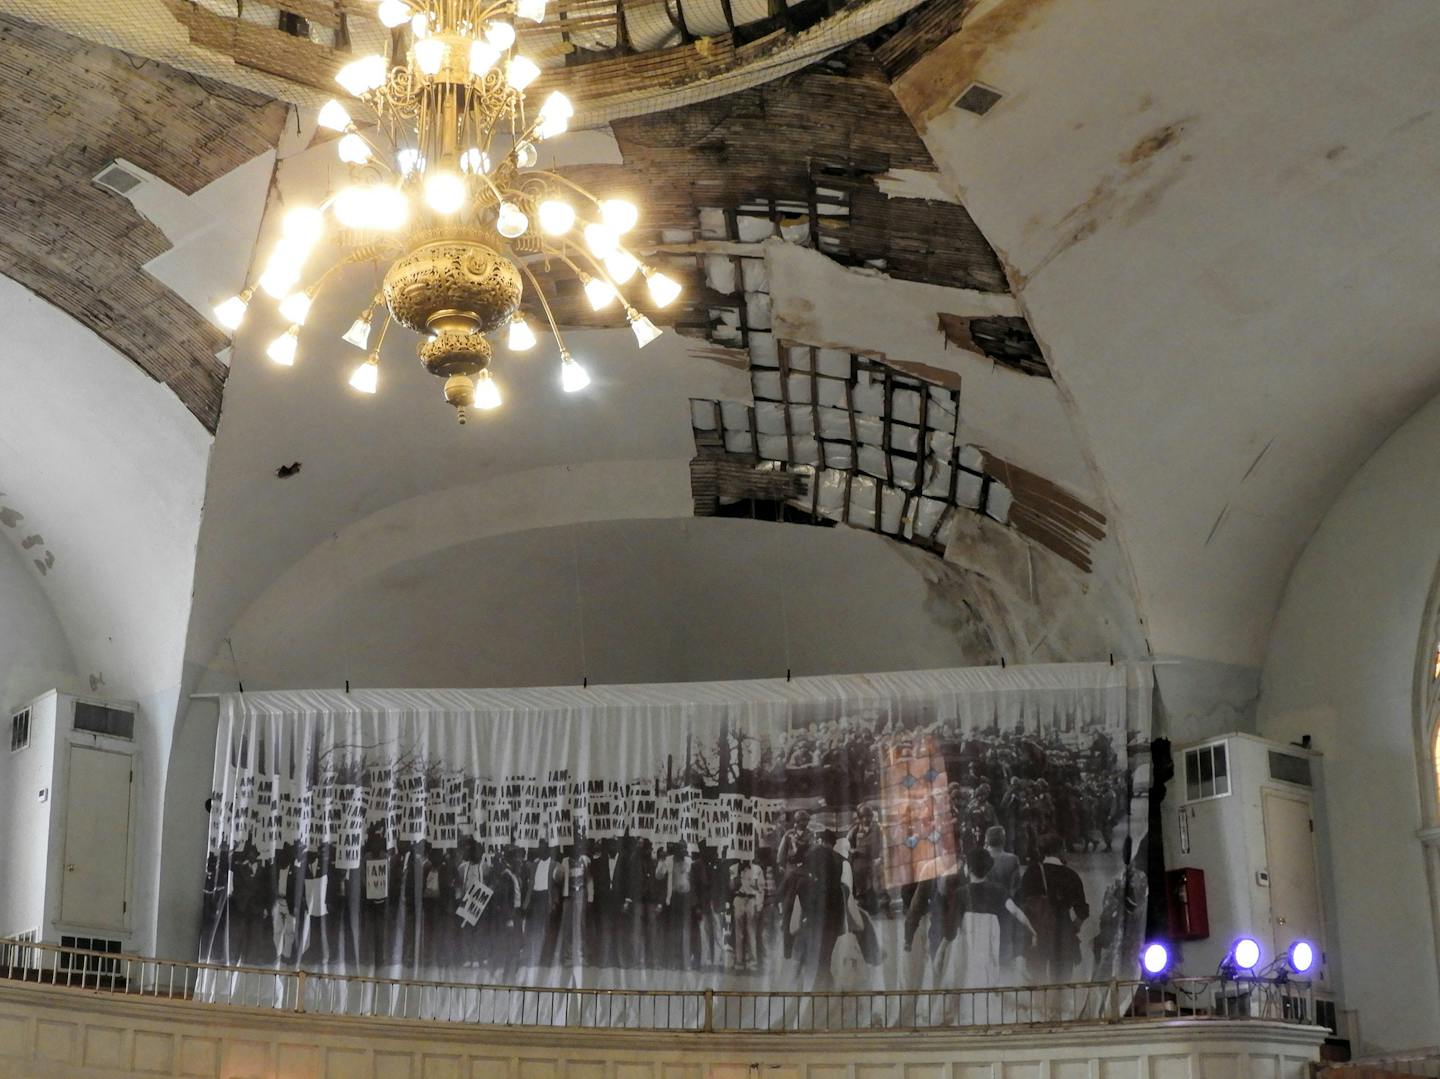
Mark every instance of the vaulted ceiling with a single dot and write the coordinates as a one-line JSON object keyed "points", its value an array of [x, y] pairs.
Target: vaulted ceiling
{"points": [[1174, 274]]}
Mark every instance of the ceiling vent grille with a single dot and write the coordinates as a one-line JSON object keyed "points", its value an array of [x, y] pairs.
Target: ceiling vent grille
{"points": [[119, 179], [978, 98], [100, 719]]}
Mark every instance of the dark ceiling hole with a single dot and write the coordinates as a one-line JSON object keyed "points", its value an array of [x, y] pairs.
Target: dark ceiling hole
{"points": [[978, 99], [286, 471]]}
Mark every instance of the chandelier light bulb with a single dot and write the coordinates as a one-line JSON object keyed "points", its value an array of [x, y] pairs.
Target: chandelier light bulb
{"points": [[408, 160], [282, 349], [304, 225], [556, 217], [621, 266], [475, 160], [500, 34], [487, 394], [352, 207], [420, 25], [366, 377], [393, 13], [354, 150], [573, 377], [520, 72], [230, 313], [361, 76], [557, 104], [645, 330], [359, 332], [601, 240], [663, 290], [534, 10], [430, 55], [526, 155], [551, 126], [598, 292], [510, 221], [296, 307], [619, 215], [483, 57], [522, 337], [445, 192], [333, 116], [283, 269]]}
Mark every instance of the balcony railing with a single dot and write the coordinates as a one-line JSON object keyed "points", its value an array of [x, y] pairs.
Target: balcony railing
{"points": [[691, 1010]]}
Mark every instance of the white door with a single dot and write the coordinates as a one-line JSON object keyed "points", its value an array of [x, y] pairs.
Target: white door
{"points": [[1294, 882], [97, 840]]}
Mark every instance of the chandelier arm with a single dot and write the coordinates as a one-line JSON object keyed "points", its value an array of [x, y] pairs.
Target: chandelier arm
{"points": [[545, 304], [567, 182], [601, 272]]}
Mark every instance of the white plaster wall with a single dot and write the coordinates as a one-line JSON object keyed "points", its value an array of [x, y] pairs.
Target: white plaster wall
{"points": [[34, 652], [25, 824], [1341, 668]]}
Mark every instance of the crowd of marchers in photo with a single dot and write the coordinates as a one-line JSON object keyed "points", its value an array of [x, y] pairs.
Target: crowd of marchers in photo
{"points": [[818, 905]]}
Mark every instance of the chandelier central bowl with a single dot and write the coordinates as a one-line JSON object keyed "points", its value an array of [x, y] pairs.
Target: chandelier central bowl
{"points": [[453, 286]]}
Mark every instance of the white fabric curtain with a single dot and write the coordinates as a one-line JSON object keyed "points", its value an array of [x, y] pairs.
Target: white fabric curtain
{"points": [[903, 830]]}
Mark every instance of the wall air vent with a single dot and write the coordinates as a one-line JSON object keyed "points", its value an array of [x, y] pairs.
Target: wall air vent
{"points": [[20, 730], [118, 178], [101, 719], [978, 98], [1290, 768]]}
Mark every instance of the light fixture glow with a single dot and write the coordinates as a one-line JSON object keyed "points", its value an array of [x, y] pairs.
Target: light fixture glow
{"points": [[363, 75], [599, 293], [522, 337], [359, 332], [283, 270], [619, 215], [557, 104], [1246, 953], [354, 150], [420, 25], [333, 116], [303, 224], [573, 377], [520, 72], [430, 55], [487, 394], [296, 307], [366, 377], [663, 290], [500, 34], [526, 155], [601, 240], [1155, 959], [621, 266], [534, 10], [1301, 956], [556, 216], [483, 56], [372, 206], [393, 13], [282, 349], [408, 159], [445, 192], [645, 330], [474, 160], [550, 126], [230, 313], [510, 221]]}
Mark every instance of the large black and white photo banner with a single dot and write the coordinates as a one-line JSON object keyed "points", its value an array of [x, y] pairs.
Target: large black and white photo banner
{"points": [[940, 829]]}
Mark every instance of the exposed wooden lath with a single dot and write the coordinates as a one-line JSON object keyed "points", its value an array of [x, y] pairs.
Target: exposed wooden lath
{"points": [[1047, 513], [71, 108]]}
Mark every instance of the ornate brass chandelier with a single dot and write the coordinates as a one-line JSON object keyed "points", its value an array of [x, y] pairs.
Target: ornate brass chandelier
{"points": [[444, 190]]}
